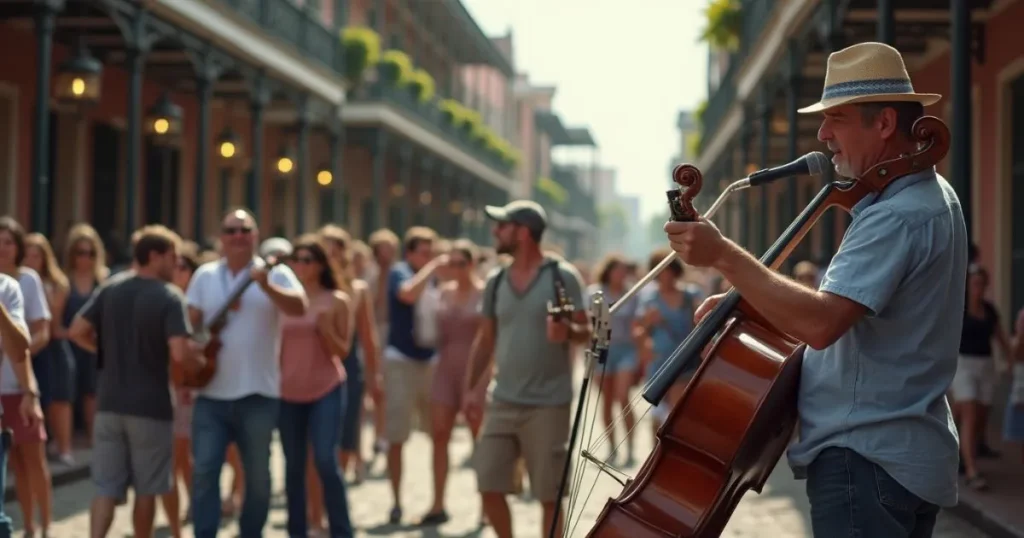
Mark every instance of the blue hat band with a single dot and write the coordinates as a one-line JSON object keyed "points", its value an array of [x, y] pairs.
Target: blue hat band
{"points": [[860, 88]]}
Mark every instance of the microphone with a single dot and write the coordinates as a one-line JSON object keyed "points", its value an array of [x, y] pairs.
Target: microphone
{"points": [[812, 164]]}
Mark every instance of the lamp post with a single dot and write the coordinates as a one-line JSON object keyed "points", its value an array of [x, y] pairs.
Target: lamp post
{"points": [[285, 166], [229, 147], [163, 127]]}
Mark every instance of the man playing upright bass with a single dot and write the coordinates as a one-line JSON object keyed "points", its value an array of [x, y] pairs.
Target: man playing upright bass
{"points": [[877, 444]]}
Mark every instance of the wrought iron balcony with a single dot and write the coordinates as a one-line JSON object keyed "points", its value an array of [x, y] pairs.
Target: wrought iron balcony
{"points": [[755, 16], [428, 115], [297, 25]]}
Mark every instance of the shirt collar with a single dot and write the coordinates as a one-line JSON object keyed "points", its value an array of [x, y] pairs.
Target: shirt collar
{"points": [[893, 189]]}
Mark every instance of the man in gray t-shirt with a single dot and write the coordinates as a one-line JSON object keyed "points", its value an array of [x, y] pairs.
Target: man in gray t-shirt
{"points": [[528, 412], [137, 325]]}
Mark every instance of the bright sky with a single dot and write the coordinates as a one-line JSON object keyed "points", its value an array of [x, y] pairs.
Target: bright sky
{"points": [[621, 69]]}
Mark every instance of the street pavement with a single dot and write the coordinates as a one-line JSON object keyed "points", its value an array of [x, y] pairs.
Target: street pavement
{"points": [[781, 511]]}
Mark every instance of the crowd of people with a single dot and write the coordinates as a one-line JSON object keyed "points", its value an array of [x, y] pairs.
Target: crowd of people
{"points": [[313, 337]]}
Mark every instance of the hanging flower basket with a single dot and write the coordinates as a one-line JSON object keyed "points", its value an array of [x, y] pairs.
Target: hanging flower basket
{"points": [[421, 85], [395, 68], [361, 47], [724, 23]]}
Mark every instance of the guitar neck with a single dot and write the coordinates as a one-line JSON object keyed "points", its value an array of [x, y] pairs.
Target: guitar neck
{"points": [[221, 315]]}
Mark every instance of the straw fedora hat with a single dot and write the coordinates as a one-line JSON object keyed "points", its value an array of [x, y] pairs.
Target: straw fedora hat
{"points": [[865, 73]]}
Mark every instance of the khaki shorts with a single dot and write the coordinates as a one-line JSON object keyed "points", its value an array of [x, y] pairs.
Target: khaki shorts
{"points": [[407, 385], [539, 434]]}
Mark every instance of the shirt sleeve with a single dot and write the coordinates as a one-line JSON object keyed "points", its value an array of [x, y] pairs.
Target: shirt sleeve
{"points": [[194, 294], [176, 322], [35, 297], [487, 306], [283, 276], [14, 302], [872, 260]]}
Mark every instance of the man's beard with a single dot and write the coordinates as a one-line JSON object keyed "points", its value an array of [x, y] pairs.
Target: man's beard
{"points": [[506, 248]]}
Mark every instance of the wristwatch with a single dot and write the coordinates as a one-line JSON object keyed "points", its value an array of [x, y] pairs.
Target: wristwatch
{"points": [[33, 393]]}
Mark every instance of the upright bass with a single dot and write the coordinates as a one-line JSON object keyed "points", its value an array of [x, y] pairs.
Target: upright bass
{"points": [[738, 413]]}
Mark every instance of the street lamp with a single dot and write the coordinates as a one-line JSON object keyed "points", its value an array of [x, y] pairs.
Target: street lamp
{"points": [[324, 177], [228, 145], [285, 163], [79, 79], [163, 122]]}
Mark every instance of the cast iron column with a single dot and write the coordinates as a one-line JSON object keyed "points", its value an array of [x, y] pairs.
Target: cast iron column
{"points": [[254, 190], [337, 146], [136, 61], [302, 165], [46, 21], [204, 85], [379, 152], [792, 184], [960, 163], [408, 202], [765, 112], [743, 200], [886, 22]]}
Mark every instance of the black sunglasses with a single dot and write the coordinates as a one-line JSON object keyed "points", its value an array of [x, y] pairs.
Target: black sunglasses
{"points": [[232, 230]]}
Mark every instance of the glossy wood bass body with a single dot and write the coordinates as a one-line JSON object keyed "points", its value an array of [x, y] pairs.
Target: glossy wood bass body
{"points": [[738, 413]]}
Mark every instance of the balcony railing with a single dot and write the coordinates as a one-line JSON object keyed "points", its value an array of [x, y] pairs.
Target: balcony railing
{"points": [[756, 14], [429, 116], [579, 203], [296, 25]]}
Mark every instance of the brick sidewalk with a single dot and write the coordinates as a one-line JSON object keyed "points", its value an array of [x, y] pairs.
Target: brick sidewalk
{"points": [[780, 512]]}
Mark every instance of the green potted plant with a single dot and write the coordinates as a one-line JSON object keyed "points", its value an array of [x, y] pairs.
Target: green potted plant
{"points": [[361, 48], [421, 86], [451, 111], [723, 24], [394, 67]]}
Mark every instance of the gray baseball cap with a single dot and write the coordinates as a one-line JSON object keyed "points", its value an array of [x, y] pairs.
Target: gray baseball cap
{"points": [[276, 246], [525, 213]]}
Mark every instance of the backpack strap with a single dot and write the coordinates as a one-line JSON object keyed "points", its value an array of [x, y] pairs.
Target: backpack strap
{"points": [[494, 289]]}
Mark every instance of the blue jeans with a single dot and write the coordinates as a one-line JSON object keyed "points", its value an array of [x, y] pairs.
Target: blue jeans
{"points": [[853, 497], [316, 423], [249, 422], [6, 528]]}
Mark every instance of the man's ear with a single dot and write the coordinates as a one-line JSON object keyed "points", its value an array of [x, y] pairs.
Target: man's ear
{"points": [[887, 122]]}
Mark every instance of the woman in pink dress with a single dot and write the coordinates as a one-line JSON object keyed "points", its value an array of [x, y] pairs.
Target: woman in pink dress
{"points": [[458, 318]]}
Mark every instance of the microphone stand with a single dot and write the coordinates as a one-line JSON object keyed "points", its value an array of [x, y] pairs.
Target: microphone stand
{"points": [[733, 187], [598, 353]]}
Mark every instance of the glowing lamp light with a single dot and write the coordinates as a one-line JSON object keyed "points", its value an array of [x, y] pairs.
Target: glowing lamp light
{"points": [[285, 165], [79, 79], [228, 145], [455, 207], [164, 120], [425, 198], [324, 177], [397, 190]]}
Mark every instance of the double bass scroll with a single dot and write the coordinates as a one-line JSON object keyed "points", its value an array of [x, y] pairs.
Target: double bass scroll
{"points": [[738, 412]]}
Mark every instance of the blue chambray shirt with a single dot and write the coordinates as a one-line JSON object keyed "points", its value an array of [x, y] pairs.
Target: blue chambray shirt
{"points": [[880, 390]]}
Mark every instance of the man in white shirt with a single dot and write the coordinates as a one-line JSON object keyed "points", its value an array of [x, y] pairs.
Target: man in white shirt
{"points": [[14, 342], [240, 404]]}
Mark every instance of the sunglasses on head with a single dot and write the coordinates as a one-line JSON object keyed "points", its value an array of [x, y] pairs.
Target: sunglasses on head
{"points": [[235, 230]]}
